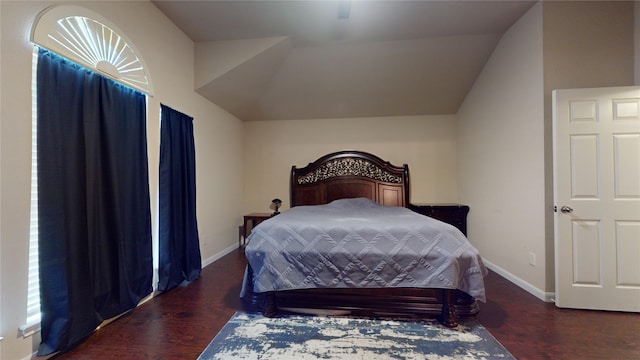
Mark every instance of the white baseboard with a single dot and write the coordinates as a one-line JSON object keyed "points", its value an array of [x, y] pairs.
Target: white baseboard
{"points": [[540, 294], [210, 260]]}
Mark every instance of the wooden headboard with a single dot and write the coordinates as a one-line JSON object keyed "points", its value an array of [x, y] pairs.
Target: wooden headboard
{"points": [[350, 174]]}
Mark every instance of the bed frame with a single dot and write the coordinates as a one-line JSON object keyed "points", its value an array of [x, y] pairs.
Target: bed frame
{"points": [[351, 174]]}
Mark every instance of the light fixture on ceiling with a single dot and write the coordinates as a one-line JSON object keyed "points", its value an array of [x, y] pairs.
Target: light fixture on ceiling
{"points": [[344, 10]]}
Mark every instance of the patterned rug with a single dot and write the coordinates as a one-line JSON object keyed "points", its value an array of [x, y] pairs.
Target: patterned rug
{"points": [[302, 337]]}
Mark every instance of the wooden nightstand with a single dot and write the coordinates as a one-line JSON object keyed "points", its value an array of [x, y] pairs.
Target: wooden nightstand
{"points": [[250, 221], [454, 214]]}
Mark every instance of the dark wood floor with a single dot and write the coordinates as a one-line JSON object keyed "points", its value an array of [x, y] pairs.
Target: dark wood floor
{"points": [[180, 323]]}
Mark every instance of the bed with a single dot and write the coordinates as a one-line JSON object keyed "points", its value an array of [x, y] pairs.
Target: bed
{"points": [[349, 243]]}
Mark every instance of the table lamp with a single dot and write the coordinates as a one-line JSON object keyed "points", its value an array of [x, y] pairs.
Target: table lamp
{"points": [[275, 203]]}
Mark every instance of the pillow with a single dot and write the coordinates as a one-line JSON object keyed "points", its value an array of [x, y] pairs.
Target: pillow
{"points": [[354, 203]]}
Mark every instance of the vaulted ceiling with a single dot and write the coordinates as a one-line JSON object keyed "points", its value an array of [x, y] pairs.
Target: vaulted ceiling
{"points": [[306, 59]]}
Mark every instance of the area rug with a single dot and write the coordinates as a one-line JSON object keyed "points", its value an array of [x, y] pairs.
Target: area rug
{"points": [[305, 337]]}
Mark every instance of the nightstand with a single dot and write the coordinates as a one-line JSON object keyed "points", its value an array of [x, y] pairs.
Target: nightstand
{"points": [[250, 221], [454, 214]]}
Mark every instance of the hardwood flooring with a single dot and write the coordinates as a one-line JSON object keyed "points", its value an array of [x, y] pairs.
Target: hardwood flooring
{"points": [[180, 323]]}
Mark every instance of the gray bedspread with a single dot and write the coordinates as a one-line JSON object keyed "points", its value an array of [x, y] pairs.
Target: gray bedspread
{"points": [[352, 243]]}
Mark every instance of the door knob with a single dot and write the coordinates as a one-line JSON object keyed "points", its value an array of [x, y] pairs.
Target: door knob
{"points": [[566, 210]]}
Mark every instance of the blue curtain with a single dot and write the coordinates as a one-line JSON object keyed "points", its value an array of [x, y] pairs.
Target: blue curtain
{"points": [[94, 214], [179, 245]]}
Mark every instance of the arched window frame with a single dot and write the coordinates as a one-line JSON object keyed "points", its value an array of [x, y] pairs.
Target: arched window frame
{"points": [[85, 37]]}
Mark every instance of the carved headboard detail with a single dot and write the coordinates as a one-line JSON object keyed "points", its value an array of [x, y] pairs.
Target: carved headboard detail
{"points": [[350, 174]]}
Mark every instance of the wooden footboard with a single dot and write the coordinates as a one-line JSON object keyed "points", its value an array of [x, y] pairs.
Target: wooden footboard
{"points": [[445, 304]]}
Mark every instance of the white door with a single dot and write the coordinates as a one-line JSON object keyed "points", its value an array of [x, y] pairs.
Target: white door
{"points": [[597, 196]]}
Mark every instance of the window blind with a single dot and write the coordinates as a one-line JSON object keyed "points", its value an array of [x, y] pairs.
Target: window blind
{"points": [[32, 323]]}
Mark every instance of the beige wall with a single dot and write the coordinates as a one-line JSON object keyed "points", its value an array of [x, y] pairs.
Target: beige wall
{"points": [[586, 44], [169, 57], [501, 155], [505, 136], [426, 143]]}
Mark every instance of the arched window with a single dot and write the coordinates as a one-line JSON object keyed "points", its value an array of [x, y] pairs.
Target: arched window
{"points": [[88, 39]]}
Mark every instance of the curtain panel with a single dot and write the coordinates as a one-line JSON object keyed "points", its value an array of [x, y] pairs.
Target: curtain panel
{"points": [[179, 245], [95, 251]]}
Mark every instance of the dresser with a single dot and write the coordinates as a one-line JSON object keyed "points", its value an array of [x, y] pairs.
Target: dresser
{"points": [[454, 214]]}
